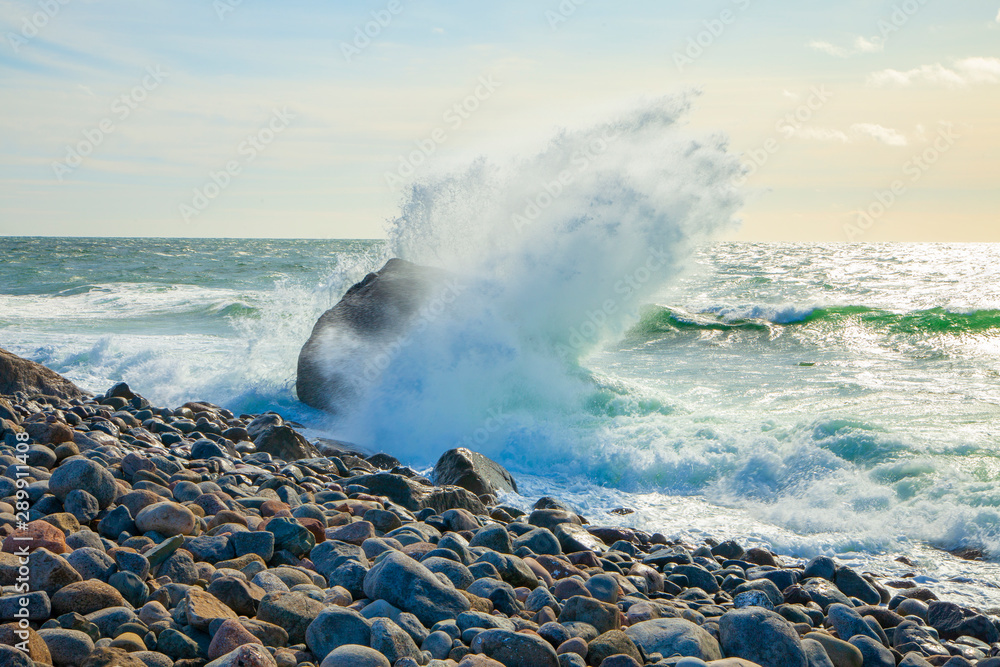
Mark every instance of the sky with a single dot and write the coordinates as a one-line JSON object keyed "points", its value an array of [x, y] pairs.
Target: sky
{"points": [[861, 120]]}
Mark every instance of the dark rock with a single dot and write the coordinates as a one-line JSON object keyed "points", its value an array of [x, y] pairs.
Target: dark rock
{"points": [[81, 473], [612, 643], [514, 649], [373, 312], [285, 443], [335, 627], [21, 375], [473, 471], [292, 611], [408, 585], [823, 567], [674, 636], [854, 585], [601, 615], [873, 653], [762, 637], [952, 621]]}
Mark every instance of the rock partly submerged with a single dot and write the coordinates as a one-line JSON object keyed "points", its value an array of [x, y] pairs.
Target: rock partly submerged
{"points": [[340, 356]]}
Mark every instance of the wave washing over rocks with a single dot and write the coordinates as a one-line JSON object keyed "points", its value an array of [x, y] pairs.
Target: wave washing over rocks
{"points": [[186, 537]]}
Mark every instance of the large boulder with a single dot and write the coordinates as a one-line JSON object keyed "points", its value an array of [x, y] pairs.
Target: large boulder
{"points": [[761, 636], [473, 471], [17, 374], [340, 357]]}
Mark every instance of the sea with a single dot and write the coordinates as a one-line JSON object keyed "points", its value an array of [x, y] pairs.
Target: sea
{"points": [[602, 343]]}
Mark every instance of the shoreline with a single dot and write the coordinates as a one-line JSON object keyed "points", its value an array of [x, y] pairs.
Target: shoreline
{"points": [[195, 536]]}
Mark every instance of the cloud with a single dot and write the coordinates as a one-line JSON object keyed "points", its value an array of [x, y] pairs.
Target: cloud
{"points": [[962, 73], [885, 135], [822, 134], [859, 46], [857, 132], [998, 17]]}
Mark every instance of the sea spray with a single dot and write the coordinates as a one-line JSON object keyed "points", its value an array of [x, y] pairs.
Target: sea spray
{"points": [[558, 250]]}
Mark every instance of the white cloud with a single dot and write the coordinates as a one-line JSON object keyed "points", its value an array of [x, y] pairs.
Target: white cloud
{"points": [[885, 135], [857, 132], [859, 46], [822, 134], [962, 73]]}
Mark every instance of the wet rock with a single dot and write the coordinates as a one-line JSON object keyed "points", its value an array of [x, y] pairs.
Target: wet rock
{"points": [[473, 471], [21, 375]]}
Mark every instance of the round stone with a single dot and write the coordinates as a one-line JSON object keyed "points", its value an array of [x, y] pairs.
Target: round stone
{"points": [[167, 518]]}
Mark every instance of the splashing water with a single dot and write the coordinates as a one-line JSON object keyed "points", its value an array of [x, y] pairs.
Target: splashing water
{"points": [[551, 255]]}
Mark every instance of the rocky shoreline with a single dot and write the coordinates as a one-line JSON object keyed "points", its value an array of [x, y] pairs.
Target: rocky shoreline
{"points": [[139, 536]]}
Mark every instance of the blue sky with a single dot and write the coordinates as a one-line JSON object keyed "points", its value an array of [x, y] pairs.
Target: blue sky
{"points": [[256, 104]]}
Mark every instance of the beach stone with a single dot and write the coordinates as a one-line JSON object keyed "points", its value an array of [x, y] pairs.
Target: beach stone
{"points": [[540, 541], [603, 587], [291, 536], [49, 572], [406, 584], [841, 653], [153, 659], [180, 567], [67, 647], [285, 443], [247, 655], [128, 642], [816, 655], [823, 567], [873, 652], [473, 471], [574, 538], [40, 534], [392, 641], [211, 548], [854, 585], [848, 623], [952, 621], [601, 615], [111, 657], [292, 611], [260, 542], [457, 574], [166, 518], [21, 375], [438, 644], [571, 660], [38, 650], [202, 608], [117, 521], [698, 577], [909, 636], [334, 627], [36, 604], [912, 607], [109, 619], [176, 645], [240, 595], [353, 533], [612, 643], [228, 637], [84, 474], [494, 538], [621, 660], [674, 636], [355, 656], [512, 569], [12, 657], [514, 649], [760, 636], [85, 597], [92, 563], [823, 592], [83, 506], [752, 599]]}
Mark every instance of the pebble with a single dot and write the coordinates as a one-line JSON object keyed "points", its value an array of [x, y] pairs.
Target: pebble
{"points": [[167, 543]]}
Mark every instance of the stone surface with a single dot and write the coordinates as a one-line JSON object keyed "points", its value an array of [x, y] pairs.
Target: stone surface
{"points": [[85, 597], [675, 636], [761, 636], [19, 374], [514, 649], [408, 585], [355, 656], [167, 518], [473, 471], [80, 473], [248, 655]]}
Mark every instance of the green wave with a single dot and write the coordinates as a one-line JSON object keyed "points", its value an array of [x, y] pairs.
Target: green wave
{"points": [[659, 319]]}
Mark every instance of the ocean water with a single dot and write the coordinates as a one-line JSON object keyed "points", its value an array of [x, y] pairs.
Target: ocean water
{"points": [[816, 398]]}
